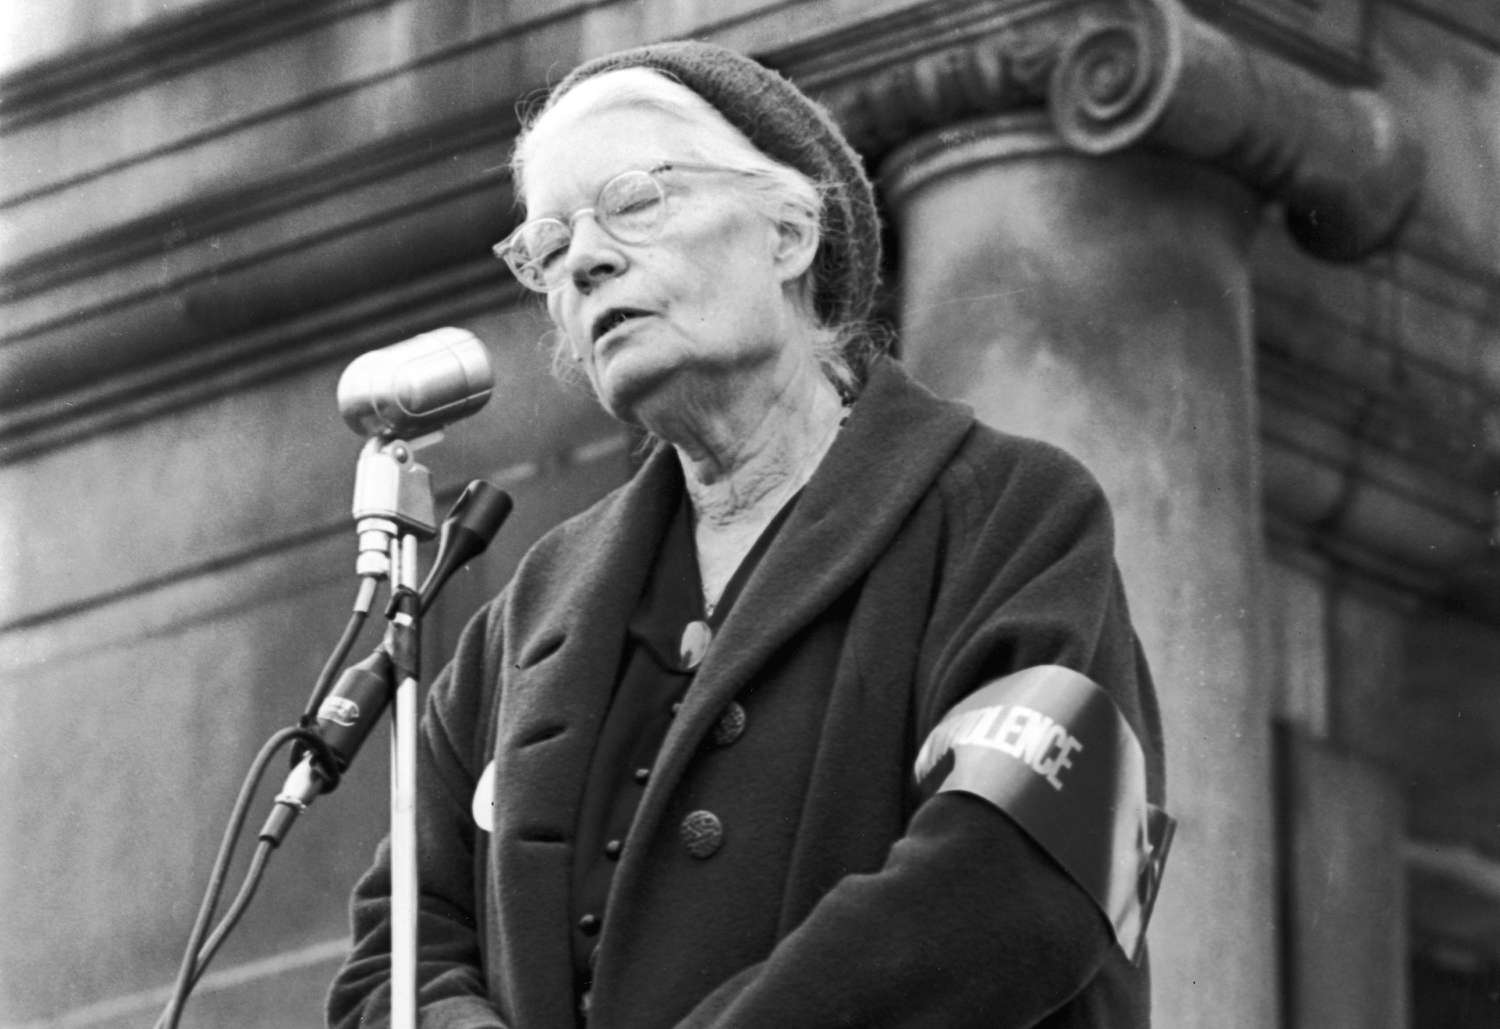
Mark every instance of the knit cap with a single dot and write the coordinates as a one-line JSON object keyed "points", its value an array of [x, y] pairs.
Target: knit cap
{"points": [[785, 124]]}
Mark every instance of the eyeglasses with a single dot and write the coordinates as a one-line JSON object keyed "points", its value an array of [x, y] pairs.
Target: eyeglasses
{"points": [[631, 208]]}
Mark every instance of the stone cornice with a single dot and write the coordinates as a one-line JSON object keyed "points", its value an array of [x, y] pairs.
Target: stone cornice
{"points": [[99, 253], [1477, 21], [299, 249], [157, 50], [244, 359], [1117, 73], [1130, 73]]}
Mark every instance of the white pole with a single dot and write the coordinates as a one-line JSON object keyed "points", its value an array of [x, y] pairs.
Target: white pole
{"points": [[404, 813]]}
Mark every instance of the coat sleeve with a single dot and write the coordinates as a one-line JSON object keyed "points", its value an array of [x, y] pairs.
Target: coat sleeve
{"points": [[969, 921], [450, 977]]}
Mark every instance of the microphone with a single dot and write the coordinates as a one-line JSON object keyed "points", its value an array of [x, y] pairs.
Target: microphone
{"points": [[417, 386], [359, 697], [474, 519]]}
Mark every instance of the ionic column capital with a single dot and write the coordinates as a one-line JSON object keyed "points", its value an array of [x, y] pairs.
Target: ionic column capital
{"points": [[1115, 74]]}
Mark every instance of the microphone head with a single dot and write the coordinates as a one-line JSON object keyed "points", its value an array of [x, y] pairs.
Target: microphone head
{"points": [[417, 386], [472, 522], [481, 509]]}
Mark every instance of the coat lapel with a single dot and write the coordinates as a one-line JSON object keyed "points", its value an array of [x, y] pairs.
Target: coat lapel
{"points": [[898, 438], [563, 643]]}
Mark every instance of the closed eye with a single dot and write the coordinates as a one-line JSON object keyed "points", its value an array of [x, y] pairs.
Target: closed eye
{"points": [[549, 257], [635, 204]]}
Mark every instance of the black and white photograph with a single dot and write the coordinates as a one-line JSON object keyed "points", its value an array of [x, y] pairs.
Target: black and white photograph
{"points": [[749, 514]]}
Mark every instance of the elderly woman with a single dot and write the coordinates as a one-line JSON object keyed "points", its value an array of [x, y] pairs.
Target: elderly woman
{"points": [[774, 734]]}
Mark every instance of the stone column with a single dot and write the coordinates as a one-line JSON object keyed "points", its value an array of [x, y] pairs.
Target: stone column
{"points": [[1104, 305], [1074, 201]]}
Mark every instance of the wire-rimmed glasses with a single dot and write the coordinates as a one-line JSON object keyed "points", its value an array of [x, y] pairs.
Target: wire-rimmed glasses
{"points": [[630, 207]]}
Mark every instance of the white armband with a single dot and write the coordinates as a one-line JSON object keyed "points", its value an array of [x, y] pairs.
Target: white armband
{"points": [[1049, 748]]}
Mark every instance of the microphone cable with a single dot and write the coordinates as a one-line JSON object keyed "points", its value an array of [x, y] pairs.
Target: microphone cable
{"points": [[363, 601], [197, 954]]}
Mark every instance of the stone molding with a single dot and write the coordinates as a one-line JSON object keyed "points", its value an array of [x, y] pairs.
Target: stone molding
{"points": [[158, 50], [1381, 458], [1115, 74], [245, 359], [1341, 478], [1475, 20], [1331, 37], [977, 141]]}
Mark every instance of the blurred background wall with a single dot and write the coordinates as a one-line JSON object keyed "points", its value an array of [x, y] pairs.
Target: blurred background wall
{"points": [[1243, 257]]}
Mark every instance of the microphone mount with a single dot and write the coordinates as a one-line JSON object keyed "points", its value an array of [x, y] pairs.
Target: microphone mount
{"points": [[392, 498]]}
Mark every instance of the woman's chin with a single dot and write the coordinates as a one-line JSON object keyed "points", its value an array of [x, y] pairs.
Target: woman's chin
{"points": [[627, 387]]}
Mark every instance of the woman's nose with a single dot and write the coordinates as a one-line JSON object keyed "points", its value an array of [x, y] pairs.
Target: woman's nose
{"points": [[593, 255]]}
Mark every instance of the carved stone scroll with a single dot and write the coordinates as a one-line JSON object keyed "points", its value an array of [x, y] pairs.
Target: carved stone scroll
{"points": [[1334, 156], [1115, 74]]}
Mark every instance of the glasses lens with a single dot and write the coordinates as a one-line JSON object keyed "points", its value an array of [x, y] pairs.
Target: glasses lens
{"points": [[631, 206], [536, 251]]}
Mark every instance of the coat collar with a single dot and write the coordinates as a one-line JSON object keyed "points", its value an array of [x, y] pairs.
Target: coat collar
{"points": [[897, 439]]}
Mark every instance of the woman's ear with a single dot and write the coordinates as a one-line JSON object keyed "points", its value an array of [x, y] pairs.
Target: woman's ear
{"points": [[797, 239]]}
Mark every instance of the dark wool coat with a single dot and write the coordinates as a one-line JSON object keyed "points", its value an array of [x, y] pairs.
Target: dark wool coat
{"points": [[928, 555]]}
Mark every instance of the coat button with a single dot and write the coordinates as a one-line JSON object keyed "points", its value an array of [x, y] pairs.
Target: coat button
{"points": [[702, 833], [612, 849], [730, 726], [694, 644], [589, 924]]}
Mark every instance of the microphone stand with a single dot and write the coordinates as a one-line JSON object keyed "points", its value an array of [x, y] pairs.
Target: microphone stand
{"points": [[398, 397], [393, 510]]}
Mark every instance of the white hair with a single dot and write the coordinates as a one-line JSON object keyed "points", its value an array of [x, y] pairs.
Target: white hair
{"points": [[776, 191]]}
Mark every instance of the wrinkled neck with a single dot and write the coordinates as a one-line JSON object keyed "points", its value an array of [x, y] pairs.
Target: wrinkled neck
{"points": [[741, 466]]}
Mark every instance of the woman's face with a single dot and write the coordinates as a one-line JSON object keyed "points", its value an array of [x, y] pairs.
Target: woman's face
{"points": [[708, 307]]}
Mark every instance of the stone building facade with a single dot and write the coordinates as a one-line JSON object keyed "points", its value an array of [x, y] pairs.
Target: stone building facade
{"points": [[1240, 256]]}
